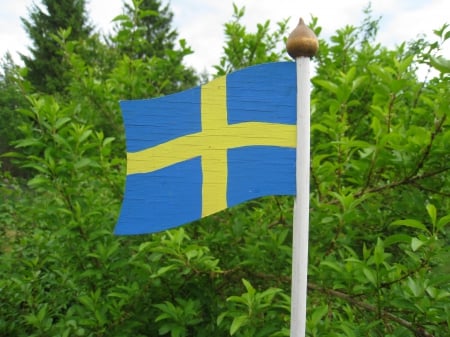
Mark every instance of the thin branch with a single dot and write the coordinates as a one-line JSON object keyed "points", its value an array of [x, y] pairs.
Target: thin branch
{"points": [[371, 171], [426, 151], [390, 108], [404, 181], [423, 188], [417, 330]]}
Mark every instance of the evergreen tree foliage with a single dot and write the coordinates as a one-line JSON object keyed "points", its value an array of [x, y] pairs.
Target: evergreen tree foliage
{"points": [[146, 26], [144, 33], [46, 67], [11, 99]]}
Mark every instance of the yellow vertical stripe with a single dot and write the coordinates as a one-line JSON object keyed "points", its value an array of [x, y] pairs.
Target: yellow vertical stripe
{"points": [[214, 158]]}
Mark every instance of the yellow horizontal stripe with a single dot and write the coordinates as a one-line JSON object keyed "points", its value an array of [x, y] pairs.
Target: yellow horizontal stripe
{"points": [[194, 145]]}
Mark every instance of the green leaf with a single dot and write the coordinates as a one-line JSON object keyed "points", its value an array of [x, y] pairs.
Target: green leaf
{"points": [[348, 330], [237, 323], [83, 163], [147, 13], [442, 222], [237, 299], [404, 64], [121, 17], [163, 270], [87, 302], [333, 265], [378, 254], [330, 86], [318, 314], [416, 287], [397, 238], [410, 223], [28, 142], [84, 136], [38, 181], [248, 286], [358, 82], [221, 317], [416, 244], [431, 209], [371, 276], [107, 141], [42, 312], [440, 63], [38, 167], [61, 121]]}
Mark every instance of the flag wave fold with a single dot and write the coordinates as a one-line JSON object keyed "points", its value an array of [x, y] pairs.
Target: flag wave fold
{"points": [[197, 152]]}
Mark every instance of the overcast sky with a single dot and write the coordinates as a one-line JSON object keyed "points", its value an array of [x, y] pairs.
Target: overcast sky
{"points": [[201, 22]]}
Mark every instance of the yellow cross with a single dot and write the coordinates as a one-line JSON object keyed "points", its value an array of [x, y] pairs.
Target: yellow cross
{"points": [[212, 143]]}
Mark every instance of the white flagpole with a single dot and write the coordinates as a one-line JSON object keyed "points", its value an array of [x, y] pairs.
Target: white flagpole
{"points": [[302, 44]]}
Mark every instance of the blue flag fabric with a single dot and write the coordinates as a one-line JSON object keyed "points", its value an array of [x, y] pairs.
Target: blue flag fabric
{"points": [[199, 151]]}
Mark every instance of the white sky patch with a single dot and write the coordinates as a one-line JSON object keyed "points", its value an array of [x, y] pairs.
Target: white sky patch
{"points": [[11, 36], [102, 12], [405, 19], [201, 22]]}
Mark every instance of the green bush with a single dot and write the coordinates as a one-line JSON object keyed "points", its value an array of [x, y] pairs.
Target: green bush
{"points": [[379, 234]]}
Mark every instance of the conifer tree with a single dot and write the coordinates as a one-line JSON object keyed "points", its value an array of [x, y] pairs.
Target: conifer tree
{"points": [[11, 99], [46, 69], [151, 33], [144, 34]]}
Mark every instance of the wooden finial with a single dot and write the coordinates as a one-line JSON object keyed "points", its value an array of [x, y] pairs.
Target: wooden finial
{"points": [[302, 41]]}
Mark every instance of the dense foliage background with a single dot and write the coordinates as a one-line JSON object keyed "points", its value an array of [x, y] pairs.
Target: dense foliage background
{"points": [[380, 187]]}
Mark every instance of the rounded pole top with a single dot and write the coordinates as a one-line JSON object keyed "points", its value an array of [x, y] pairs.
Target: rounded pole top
{"points": [[302, 41]]}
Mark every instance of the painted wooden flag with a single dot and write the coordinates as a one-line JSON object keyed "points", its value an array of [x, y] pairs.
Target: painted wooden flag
{"points": [[199, 151]]}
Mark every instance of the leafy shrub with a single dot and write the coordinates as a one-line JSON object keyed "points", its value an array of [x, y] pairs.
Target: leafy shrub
{"points": [[379, 211]]}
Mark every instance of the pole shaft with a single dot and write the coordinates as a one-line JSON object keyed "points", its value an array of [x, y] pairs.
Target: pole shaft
{"points": [[301, 206]]}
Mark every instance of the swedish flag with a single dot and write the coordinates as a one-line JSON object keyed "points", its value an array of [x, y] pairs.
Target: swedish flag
{"points": [[197, 152]]}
